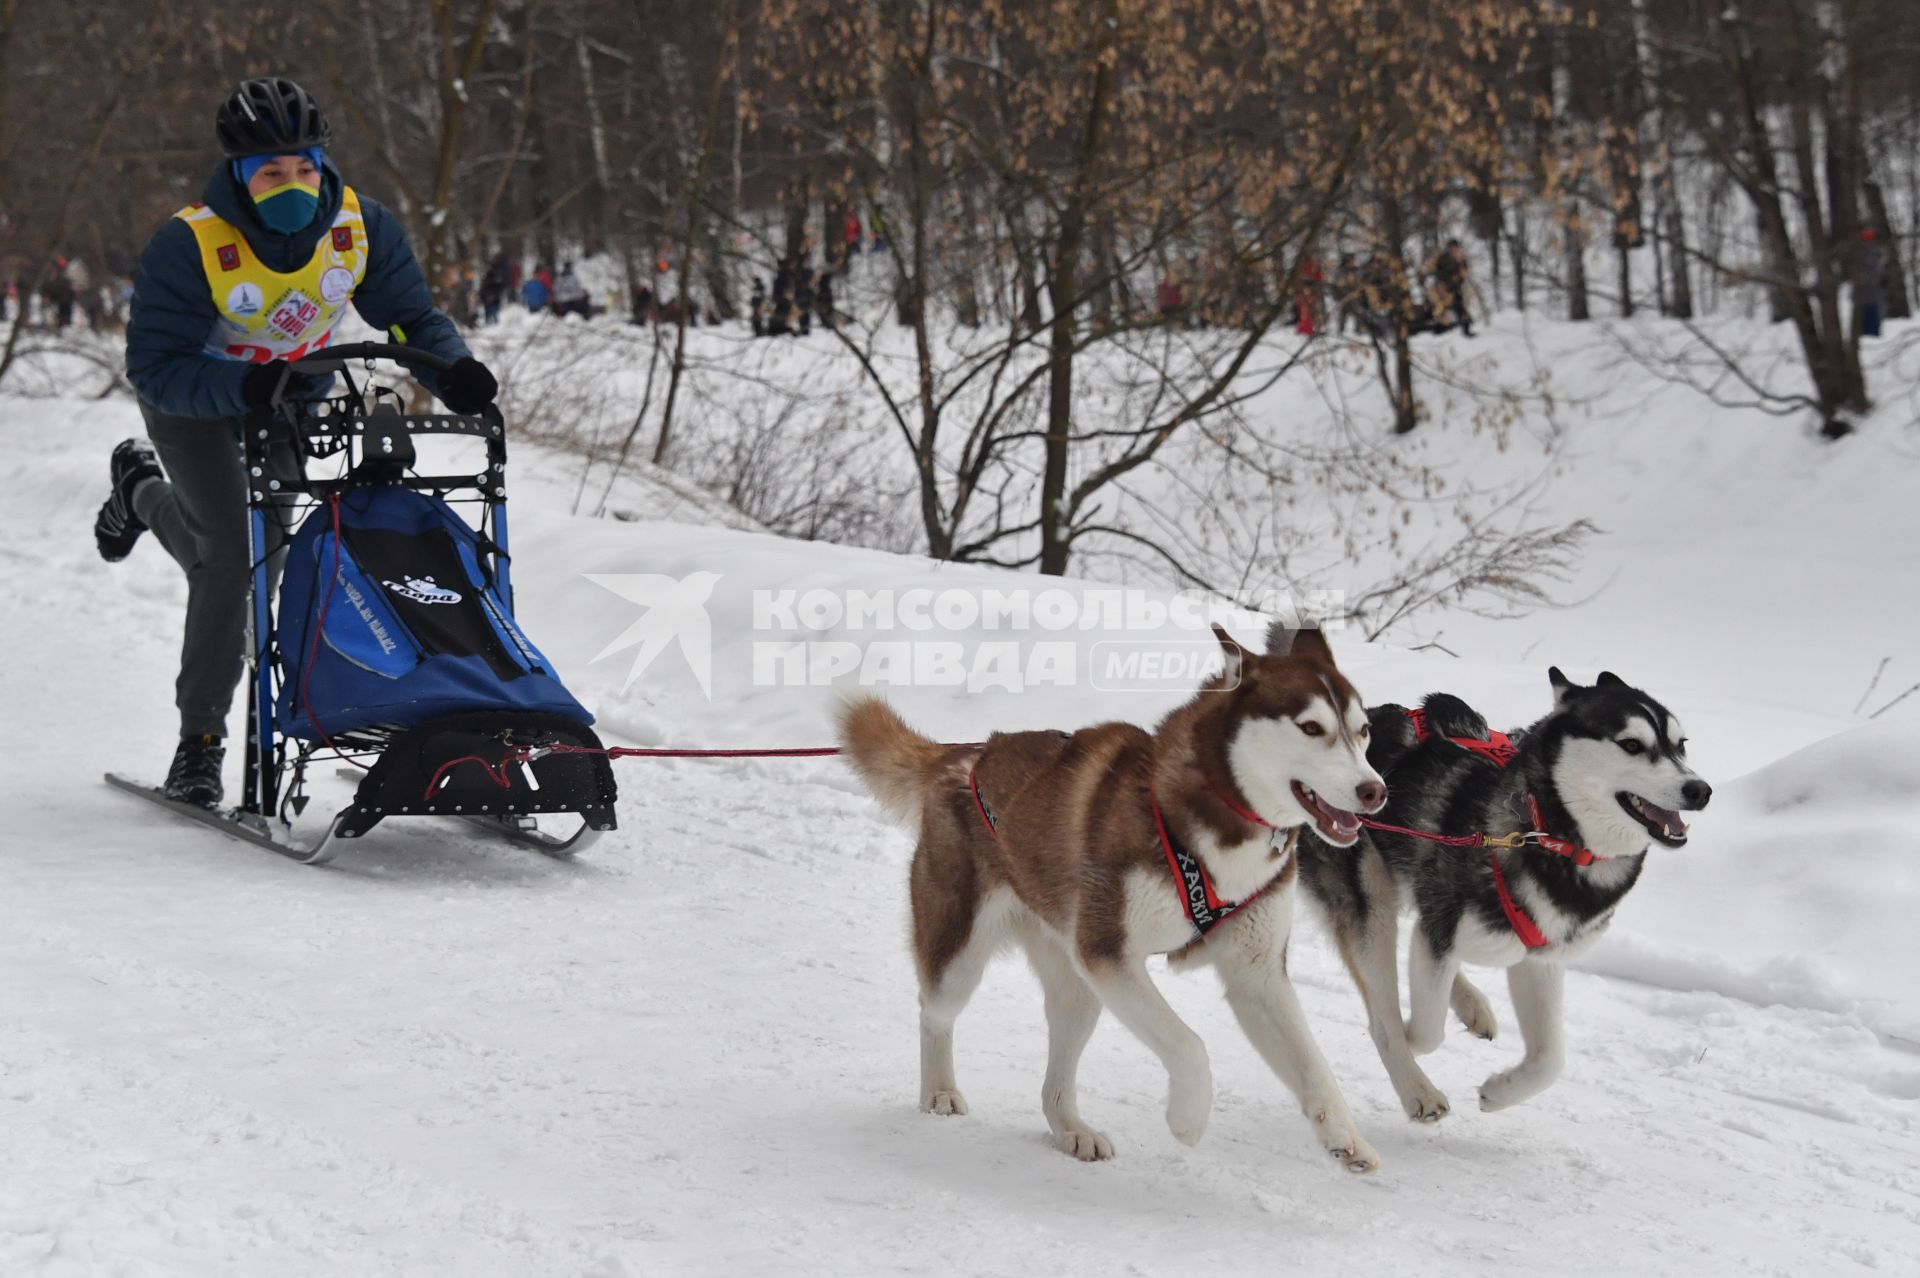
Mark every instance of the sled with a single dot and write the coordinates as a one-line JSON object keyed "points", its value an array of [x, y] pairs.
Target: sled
{"points": [[394, 647]]}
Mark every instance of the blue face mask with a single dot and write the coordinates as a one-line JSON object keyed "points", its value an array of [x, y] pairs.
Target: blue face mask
{"points": [[288, 208]]}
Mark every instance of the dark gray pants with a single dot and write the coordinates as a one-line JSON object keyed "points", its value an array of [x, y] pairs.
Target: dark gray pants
{"points": [[199, 513]]}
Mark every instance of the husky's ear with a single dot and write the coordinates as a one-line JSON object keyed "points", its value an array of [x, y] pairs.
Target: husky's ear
{"points": [[1236, 655], [1608, 679], [1312, 645], [1280, 637], [1561, 685]]}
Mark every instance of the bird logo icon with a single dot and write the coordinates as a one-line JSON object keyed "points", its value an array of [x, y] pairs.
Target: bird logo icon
{"points": [[676, 613]]}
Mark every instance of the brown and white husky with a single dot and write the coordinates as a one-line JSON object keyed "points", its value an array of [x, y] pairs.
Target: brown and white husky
{"points": [[1096, 849]]}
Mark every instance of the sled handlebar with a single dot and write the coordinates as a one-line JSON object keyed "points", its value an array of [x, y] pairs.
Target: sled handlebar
{"points": [[333, 357]]}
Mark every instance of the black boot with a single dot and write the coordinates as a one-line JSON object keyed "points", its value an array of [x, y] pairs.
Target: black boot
{"points": [[116, 528], [195, 774]]}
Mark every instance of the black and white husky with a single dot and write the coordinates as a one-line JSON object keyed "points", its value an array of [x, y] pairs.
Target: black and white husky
{"points": [[1596, 781]]}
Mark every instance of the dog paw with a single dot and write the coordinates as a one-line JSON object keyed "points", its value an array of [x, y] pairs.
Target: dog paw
{"points": [[1337, 1133], [947, 1101], [1503, 1090], [1426, 1104], [1357, 1157], [1189, 1103], [1476, 1014], [1087, 1146], [1524, 1081]]}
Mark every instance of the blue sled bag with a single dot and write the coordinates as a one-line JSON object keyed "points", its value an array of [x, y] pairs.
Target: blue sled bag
{"points": [[388, 619]]}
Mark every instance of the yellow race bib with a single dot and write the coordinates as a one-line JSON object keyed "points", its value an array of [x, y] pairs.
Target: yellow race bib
{"points": [[265, 315]]}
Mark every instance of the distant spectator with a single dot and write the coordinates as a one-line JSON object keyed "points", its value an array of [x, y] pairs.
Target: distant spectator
{"points": [[1870, 287], [852, 231], [457, 286], [570, 295], [757, 308], [1306, 297], [1170, 298], [84, 292], [780, 314], [646, 311], [1446, 277], [59, 294], [538, 290], [493, 287]]}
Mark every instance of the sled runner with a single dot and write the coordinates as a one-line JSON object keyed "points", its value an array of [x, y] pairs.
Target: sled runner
{"points": [[395, 647]]}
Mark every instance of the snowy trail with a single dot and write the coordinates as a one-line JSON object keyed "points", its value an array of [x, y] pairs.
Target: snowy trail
{"points": [[694, 1050]]}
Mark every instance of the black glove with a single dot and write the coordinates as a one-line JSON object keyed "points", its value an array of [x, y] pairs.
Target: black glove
{"points": [[257, 389], [467, 387]]}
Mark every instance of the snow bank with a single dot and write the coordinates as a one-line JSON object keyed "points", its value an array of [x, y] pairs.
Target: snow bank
{"points": [[1877, 763], [1801, 886]]}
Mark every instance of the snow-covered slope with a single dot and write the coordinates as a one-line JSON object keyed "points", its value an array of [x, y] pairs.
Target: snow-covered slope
{"points": [[694, 1051]]}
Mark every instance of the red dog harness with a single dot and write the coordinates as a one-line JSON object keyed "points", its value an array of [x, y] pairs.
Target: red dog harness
{"points": [[1205, 910], [1499, 749]]}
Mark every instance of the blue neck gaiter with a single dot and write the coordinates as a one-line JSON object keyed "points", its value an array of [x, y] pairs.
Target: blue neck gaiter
{"points": [[289, 207]]}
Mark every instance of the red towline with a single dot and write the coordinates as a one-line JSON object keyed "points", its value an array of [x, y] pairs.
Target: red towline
{"points": [[497, 772]]}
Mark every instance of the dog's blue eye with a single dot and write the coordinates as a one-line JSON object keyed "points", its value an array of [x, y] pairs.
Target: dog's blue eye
{"points": [[1630, 745]]}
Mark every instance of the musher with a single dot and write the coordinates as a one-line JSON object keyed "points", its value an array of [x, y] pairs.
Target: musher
{"points": [[228, 291]]}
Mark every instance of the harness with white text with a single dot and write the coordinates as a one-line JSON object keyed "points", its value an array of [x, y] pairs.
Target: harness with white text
{"points": [[1205, 910]]}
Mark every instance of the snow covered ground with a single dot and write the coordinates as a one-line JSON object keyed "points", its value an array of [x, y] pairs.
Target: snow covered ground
{"points": [[694, 1050]]}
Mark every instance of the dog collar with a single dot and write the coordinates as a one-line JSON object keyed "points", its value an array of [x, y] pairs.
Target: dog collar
{"points": [[1553, 843], [1245, 813], [1240, 810]]}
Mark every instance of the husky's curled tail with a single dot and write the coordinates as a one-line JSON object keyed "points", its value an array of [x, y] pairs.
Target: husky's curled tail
{"points": [[897, 763]]}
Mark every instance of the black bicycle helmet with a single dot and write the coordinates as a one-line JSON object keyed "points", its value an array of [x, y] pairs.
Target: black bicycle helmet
{"points": [[270, 115]]}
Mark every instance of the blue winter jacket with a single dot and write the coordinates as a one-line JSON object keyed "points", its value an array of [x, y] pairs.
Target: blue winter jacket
{"points": [[173, 308]]}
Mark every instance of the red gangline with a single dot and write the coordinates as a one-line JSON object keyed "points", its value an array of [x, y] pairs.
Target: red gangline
{"points": [[497, 772]]}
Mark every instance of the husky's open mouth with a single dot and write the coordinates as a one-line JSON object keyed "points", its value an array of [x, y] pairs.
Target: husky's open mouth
{"points": [[1336, 825], [1663, 824]]}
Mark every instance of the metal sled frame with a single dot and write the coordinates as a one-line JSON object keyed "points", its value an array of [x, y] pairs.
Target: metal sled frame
{"points": [[365, 426]]}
